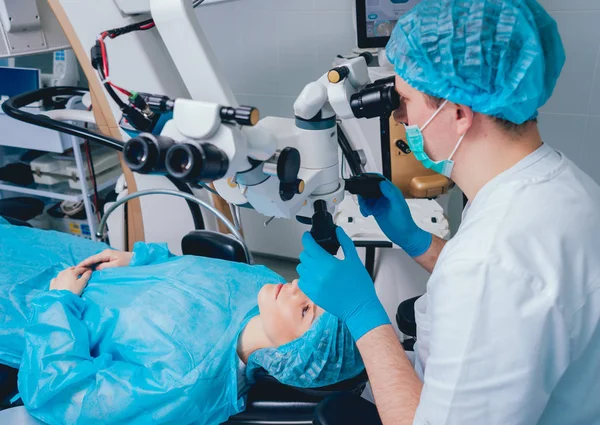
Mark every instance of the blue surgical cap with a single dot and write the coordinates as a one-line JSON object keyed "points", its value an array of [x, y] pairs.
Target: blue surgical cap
{"points": [[499, 57], [326, 354]]}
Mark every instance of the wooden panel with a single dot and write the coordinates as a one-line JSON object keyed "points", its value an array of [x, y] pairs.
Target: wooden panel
{"points": [[414, 180], [105, 120]]}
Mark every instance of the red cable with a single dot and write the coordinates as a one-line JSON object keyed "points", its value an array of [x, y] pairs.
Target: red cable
{"points": [[122, 90], [106, 68], [104, 58]]}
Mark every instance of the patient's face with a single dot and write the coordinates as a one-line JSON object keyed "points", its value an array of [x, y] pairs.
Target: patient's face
{"points": [[286, 313]]}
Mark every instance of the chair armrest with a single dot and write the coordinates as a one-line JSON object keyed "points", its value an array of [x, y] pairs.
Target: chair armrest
{"points": [[346, 409]]}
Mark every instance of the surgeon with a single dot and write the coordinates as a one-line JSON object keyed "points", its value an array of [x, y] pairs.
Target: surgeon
{"points": [[509, 330]]}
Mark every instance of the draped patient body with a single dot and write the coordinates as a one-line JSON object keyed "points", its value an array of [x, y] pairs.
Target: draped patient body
{"points": [[164, 340]]}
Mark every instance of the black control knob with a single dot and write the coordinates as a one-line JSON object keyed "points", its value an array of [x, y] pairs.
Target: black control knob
{"points": [[288, 165], [403, 146], [243, 115], [324, 229], [365, 185], [288, 190], [368, 57]]}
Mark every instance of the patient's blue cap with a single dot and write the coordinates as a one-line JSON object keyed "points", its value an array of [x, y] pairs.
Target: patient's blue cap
{"points": [[500, 57], [325, 355]]}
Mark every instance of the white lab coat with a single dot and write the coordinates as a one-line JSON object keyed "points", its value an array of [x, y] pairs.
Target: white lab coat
{"points": [[509, 330]]}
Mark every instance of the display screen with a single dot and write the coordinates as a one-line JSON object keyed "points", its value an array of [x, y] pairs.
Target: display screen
{"points": [[14, 81], [382, 15]]}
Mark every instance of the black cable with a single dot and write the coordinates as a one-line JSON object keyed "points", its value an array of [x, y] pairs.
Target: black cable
{"points": [[111, 91], [349, 154], [116, 32], [88, 151], [210, 189], [12, 108], [194, 208]]}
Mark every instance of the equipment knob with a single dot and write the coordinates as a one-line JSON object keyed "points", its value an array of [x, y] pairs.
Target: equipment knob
{"points": [[324, 229], [403, 146], [244, 115], [338, 74], [288, 165], [368, 57], [288, 190]]}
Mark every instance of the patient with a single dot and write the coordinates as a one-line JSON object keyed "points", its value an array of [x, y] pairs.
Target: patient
{"points": [[148, 337]]}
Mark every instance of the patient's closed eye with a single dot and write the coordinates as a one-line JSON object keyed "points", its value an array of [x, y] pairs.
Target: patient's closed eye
{"points": [[305, 310]]}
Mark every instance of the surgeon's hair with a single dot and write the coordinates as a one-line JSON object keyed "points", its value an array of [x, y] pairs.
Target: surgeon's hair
{"points": [[508, 126]]}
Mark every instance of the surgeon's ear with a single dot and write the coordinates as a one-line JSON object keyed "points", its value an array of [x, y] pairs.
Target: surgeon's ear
{"points": [[464, 119]]}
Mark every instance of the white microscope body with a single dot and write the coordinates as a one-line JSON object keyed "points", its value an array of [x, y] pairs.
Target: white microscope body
{"points": [[260, 166]]}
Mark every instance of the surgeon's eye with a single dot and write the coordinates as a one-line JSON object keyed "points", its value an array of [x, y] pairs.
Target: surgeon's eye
{"points": [[305, 310]]}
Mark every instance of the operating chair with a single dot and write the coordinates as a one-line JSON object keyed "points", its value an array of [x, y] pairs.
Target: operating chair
{"points": [[269, 402]]}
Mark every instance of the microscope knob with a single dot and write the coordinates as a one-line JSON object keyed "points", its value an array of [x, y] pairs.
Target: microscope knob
{"points": [[288, 165], [288, 190], [338, 74], [243, 115], [368, 57]]}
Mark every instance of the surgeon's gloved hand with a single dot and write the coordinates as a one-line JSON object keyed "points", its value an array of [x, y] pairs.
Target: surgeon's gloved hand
{"points": [[393, 217], [341, 287]]}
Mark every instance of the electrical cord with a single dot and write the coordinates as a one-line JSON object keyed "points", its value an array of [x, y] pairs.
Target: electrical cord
{"points": [[194, 208], [210, 189], [90, 162], [13, 108], [101, 64]]}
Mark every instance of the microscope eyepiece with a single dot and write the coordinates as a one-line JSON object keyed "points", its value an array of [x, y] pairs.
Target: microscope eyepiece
{"points": [[376, 100], [146, 153], [205, 163]]}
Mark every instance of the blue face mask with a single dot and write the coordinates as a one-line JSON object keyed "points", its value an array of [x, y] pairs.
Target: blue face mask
{"points": [[414, 138]]}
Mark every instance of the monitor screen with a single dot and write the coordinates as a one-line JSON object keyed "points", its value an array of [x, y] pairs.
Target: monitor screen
{"points": [[376, 20], [14, 81]]}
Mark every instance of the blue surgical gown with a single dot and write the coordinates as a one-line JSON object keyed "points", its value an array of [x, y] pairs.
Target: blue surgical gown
{"points": [[151, 343]]}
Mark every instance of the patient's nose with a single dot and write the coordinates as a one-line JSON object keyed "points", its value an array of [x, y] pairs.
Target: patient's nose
{"points": [[294, 287]]}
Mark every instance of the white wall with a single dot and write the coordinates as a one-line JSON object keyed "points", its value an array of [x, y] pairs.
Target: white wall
{"points": [[272, 48], [570, 121]]}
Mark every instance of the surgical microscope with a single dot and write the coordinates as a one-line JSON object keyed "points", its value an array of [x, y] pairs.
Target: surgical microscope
{"points": [[280, 170]]}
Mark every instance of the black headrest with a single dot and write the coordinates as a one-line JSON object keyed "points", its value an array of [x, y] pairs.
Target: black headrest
{"points": [[204, 243], [268, 388]]}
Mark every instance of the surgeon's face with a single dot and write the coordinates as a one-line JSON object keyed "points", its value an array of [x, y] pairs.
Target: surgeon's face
{"points": [[441, 134], [286, 313]]}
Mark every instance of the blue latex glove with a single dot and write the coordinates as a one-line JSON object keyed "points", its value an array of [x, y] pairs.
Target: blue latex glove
{"points": [[393, 217], [341, 287]]}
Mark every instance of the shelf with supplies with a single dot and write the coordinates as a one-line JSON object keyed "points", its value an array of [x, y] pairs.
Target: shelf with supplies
{"points": [[59, 171], [60, 192]]}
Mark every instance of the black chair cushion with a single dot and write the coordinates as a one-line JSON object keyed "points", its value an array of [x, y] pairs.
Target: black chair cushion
{"points": [[8, 384], [273, 403], [204, 243], [346, 409], [405, 317]]}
